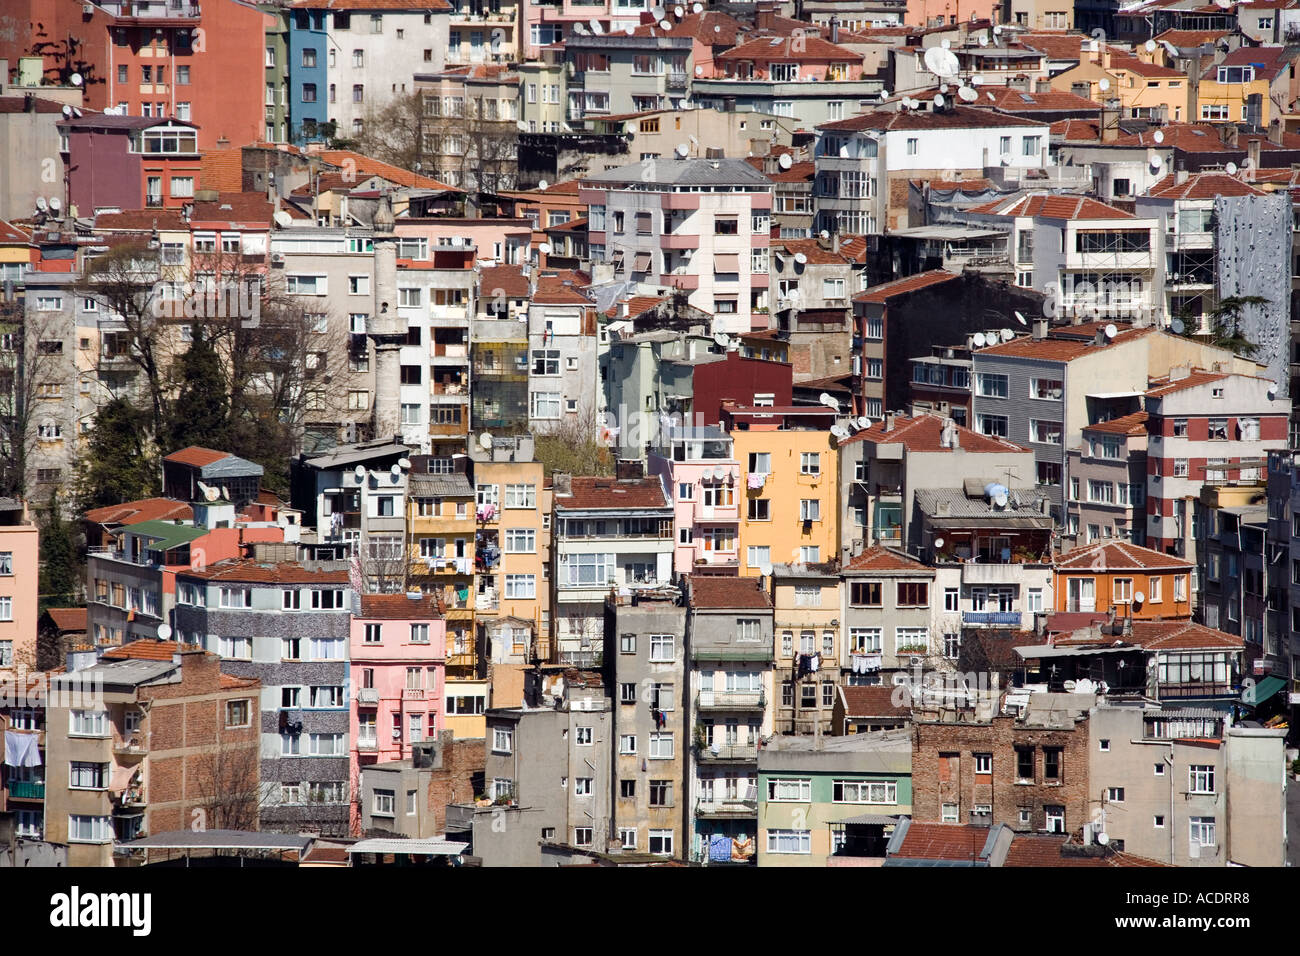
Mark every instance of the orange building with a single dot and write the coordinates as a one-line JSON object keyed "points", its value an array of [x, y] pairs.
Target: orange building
{"points": [[1133, 581]]}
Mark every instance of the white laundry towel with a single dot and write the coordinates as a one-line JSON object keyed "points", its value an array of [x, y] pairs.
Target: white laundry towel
{"points": [[21, 750]]}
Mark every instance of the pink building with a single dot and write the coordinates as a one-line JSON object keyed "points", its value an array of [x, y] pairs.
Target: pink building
{"points": [[398, 652], [19, 561], [703, 475]]}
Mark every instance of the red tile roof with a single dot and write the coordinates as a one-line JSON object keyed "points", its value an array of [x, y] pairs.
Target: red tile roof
{"points": [[509, 281], [1151, 71], [197, 456], [1189, 38], [710, 28], [252, 572], [959, 117], [801, 49], [881, 558], [142, 219], [399, 607], [235, 209], [1044, 206], [1202, 186], [1046, 850], [641, 304], [68, 618], [943, 841], [1067, 622], [1054, 349], [1076, 130], [146, 509], [1159, 387], [623, 495], [231, 682], [17, 104], [1134, 424], [888, 290], [875, 701], [143, 650], [395, 5], [797, 173], [1182, 636], [923, 432], [366, 166], [1268, 61], [725, 591], [9, 233], [1027, 101], [812, 249], [562, 288], [1118, 556]]}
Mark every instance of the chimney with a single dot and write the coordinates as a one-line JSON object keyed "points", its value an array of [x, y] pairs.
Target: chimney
{"points": [[1253, 150], [629, 468], [889, 421], [1180, 176], [1179, 372], [29, 102], [1228, 134], [1274, 132], [765, 17], [562, 483], [1040, 329], [1110, 130], [835, 29]]}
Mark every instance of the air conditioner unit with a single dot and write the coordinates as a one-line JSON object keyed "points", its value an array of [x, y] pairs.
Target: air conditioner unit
{"points": [[915, 661], [87, 9]]}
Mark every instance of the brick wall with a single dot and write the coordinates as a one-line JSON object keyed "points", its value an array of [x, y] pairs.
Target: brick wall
{"points": [[943, 771], [462, 760]]}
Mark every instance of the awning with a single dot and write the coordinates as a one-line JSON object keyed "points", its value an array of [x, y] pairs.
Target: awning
{"points": [[122, 777], [868, 819], [726, 262], [1038, 652], [642, 262], [1263, 690], [431, 847]]}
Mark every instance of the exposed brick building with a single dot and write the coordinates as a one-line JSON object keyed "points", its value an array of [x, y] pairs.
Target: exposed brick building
{"points": [[1027, 774]]}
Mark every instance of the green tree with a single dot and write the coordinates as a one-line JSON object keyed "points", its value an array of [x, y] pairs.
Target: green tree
{"points": [[200, 415], [120, 463], [1225, 324], [60, 573]]}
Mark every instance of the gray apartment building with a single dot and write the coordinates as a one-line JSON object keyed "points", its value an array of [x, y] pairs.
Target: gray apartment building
{"points": [[286, 624], [619, 74], [889, 602], [1177, 785], [728, 700], [411, 797], [645, 637], [1107, 496], [547, 774]]}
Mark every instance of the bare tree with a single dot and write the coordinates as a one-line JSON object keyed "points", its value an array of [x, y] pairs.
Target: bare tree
{"points": [[577, 446], [31, 370], [228, 788]]}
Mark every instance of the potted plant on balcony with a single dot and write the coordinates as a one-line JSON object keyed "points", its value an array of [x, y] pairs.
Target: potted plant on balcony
{"points": [[701, 738]]}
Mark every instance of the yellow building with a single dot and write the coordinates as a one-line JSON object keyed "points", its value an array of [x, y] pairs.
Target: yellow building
{"points": [[440, 546], [1144, 90], [513, 540], [789, 473], [1227, 86], [15, 252]]}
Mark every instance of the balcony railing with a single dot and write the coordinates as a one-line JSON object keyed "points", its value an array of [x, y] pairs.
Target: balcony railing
{"points": [[991, 618], [26, 790], [731, 700], [367, 744], [1195, 689], [413, 693], [710, 753], [368, 695], [726, 806]]}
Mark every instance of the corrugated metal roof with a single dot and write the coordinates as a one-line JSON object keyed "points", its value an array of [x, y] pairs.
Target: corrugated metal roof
{"points": [[685, 172], [433, 847], [441, 486]]}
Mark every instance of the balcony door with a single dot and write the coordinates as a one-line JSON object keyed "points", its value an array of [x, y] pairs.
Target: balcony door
{"points": [[1082, 594]]}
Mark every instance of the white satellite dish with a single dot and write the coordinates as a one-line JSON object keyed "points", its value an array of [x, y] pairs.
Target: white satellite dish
{"points": [[1158, 136], [1230, 169], [824, 235], [523, 127], [596, 28], [1000, 499], [978, 340], [941, 61], [967, 95], [665, 24], [579, 29], [992, 98], [1138, 597], [800, 258], [67, 111], [1021, 319], [984, 40], [1103, 838], [1110, 330], [1155, 163], [1103, 84], [785, 162], [1272, 390], [839, 432], [485, 441], [938, 543], [75, 79], [997, 29], [164, 631], [697, 8], [1225, 4], [544, 248], [542, 184], [404, 464], [1008, 159], [864, 422], [658, 12], [1007, 335], [722, 338], [395, 471], [829, 400], [943, 87], [682, 150], [765, 569], [359, 471], [41, 204], [884, 95], [1177, 326], [699, 71], [1150, 46], [679, 10], [691, 137], [938, 101], [630, 31]]}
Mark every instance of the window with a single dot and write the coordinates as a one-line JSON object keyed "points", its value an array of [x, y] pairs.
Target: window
{"points": [[627, 742], [865, 593], [760, 462], [913, 594], [235, 648], [983, 763], [582, 786], [911, 640], [850, 791], [384, 803], [810, 509], [1218, 429], [757, 556], [810, 463], [87, 776], [948, 813], [991, 386], [661, 842], [88, 829], [1115, 794], [661, 746], [1201, 831], [994, 425], [662, 648], [789, 841], [661, 793], [789, 790], [238, 712], [807, 595], [627, 838], [503, 740], [521, 496], [521, 541], [760, 509], [1055, 818], [327, 745], [1052, 764], [1200, 778], [1180, 467], [1030, 145]]}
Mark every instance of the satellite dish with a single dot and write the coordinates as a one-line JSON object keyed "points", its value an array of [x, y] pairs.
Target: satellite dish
{"points": [[658, 12], [485, 441], [542, 184], [665, 24], [164, 631], [1021, 319], [1138, 597], [1000, 499], [75, 79], [864, 422], [943, 87], [785, 162], [800, 258], [1007, 335], [1230, 169], [579, 29], [829, 400], [1103, 838], [884, 95], [699, 71], [967, 95], [765, 569], [404, 464], [523, 127], [697, 8], [679, 10], [941, 61], [1110, 330], [1155, 163], [1007, 159], [544, 248], [997, 29], [395, 471], [839, 432], [596, 28], [682, 150], [1103, 84], [1158, 136], [630, 31], [824, 235], [1177, 326], [359, 471], [721, 338], [1150, 46], [938, 543], [67, 111], [938, 101], [978, 340], [992, 98], [1272, 390], [41, 204], [984, 40]]}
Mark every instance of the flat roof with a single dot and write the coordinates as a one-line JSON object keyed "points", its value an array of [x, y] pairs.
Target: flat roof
{"points": [[220, 840], [430, 847]]}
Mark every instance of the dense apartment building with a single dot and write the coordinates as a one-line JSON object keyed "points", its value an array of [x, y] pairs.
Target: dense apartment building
{"points": [[1124, 579], [413, 796], [19, 566], [700, 470], [809, 653], [1108, 481]]}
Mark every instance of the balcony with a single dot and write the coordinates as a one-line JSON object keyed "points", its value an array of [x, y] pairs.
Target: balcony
{"points": [[128, 748], [413, 693], [676, 81], [991, 618], [585, 658], [133, 796], [726, 753], [731, 700], [367, 744], [726, 807], [1195, 690], [26, 790], [368, 696]]}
